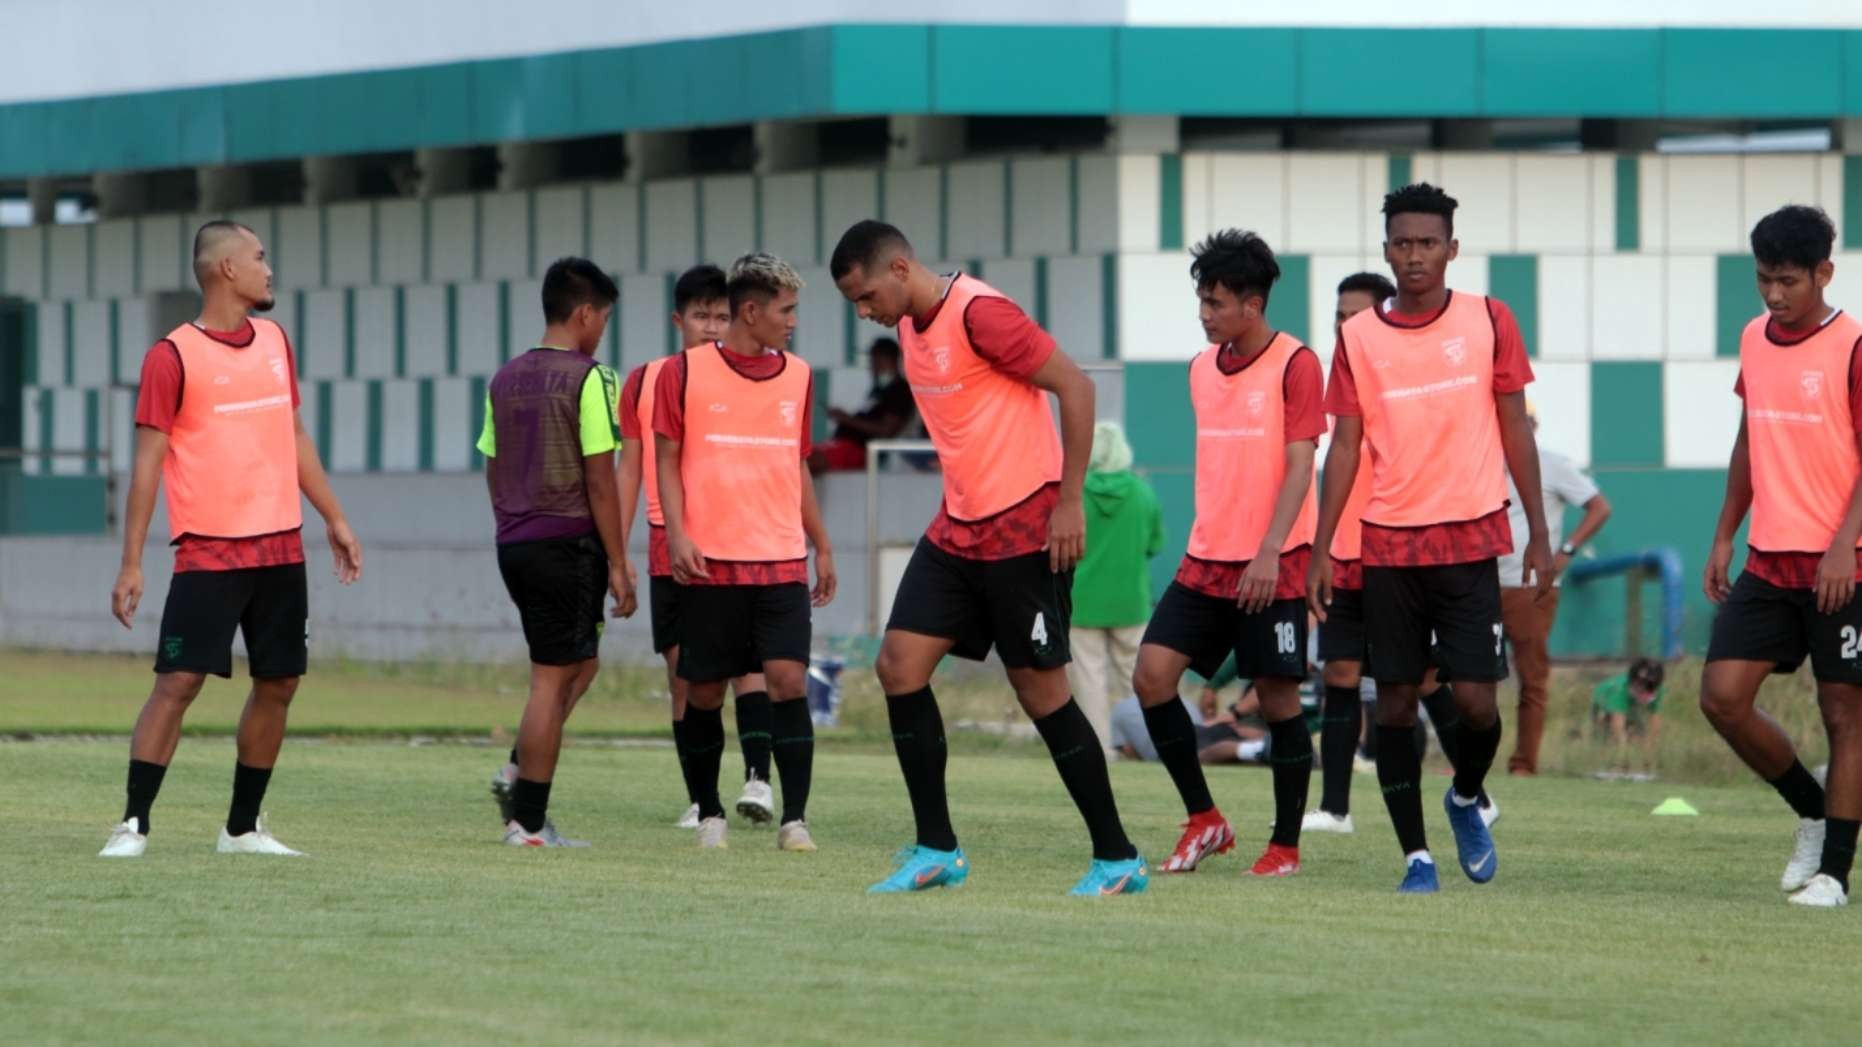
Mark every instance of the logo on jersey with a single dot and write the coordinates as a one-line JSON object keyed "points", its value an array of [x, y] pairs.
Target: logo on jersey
{"points": [[718, 408], [1811, 382], [1455, 350], [222, 380], [278, 371], [1257, 402], [940, 359], [787, 407]]}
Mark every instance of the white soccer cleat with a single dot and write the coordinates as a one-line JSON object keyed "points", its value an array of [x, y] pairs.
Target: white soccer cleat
{"points": [[689, 820], [1806, 857], [713, 834], [1822, 892], [516, 836], [794, 836], [757, 801], [1322, 821], [124, 842], [1490, 811], [258, 841]]}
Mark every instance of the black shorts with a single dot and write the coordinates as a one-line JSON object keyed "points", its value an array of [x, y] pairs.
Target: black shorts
{"points": [[1269, 643], [1456, 605], [731, 630], [1761, 622], [1341, 635], [560, 586], [1019, 606], [270, 606], [663, 597]]}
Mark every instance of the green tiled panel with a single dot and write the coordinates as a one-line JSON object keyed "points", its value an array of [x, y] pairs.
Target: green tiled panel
{"points": [[1736, 301], [376, 424], [1708, 69], [1022, 69], [476, 405], [1399, 170], [1628, 203], [1289, 308], [1626, 413], [1349, 72], [1514, 279], [1176, 496], [1170, 202], [1157, 414], [51, 504], [1191, 72]]}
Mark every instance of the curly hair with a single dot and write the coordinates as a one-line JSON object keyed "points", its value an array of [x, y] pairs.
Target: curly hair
{"points": [[1794, 235], [1236, 259], [1421, 198]]}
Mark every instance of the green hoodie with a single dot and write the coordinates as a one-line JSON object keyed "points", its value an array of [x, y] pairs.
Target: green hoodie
{"points": [[1124, 529]]}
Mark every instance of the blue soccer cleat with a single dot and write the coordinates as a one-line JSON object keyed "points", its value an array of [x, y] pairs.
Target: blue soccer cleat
{"points": [[1419, 878], [1473, 843], [1104, 879], [921, 868]]}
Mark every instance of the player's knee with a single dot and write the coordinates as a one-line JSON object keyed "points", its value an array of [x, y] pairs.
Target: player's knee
{"points": [[1341, 674], [706, 696], [1395, 711], [786, 683], [896, 674], [1152, 685], [1842, 716], [279, 690], [179, 688], [1720, 706]]}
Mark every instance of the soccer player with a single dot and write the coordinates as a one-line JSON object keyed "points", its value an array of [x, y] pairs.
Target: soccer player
{"points": [[1432, 384], [701, 313], [549, 443], [731, 421], [1258, 395], [995, 568], [1795, 466], [217, 429]]}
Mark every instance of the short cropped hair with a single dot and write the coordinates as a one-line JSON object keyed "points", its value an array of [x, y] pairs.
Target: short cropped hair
{"points": [[1377, 285], [574, 282], [864, 244], [701, 283]]}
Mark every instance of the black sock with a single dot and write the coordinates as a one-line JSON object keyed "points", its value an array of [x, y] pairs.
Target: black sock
{"points": [[794, 741], [1446, 719], [513, 756], [1368, 710], [754, 727], [1400, 774], [1082, 764], [1477, 745], [678, 746], [704, 754], [1341, 720], [530, 802], [248, 794], [1175, 738], [145, 780], [1291, 749], [1800, 790], [1839, 849], [918, 738]]}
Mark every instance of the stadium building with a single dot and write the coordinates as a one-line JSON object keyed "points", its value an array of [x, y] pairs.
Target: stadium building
{"points": [[414, 167]]}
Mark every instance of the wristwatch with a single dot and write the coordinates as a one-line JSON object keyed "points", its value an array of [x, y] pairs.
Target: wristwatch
{"points": [[1567, 549]]}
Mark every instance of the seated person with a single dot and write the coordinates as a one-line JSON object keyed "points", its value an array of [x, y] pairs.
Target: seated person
{"points": [[1629, 705], [884, 415], [1237, 734]]}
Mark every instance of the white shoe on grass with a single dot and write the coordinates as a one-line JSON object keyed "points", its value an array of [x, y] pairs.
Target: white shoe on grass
{"points": [[1319, 820], [125, 842], [1490, 810], [757, 802], [258, 841], [713, 834], [1806, 856], [794, 836], [516, 836], [1822, 892], [689, 820]]}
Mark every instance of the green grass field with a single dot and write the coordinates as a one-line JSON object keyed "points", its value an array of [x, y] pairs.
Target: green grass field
{"points": [[411, 922]]}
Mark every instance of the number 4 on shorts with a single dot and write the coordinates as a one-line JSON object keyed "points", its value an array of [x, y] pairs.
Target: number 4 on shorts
{"points": [[1039, 633]]}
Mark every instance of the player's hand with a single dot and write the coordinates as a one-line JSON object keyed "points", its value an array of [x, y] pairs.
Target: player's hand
{"points": [[347, 549], [1258, 583], [1538, 562], [126, 595], [1066, 534], [687, 562], [621, 584], [1836, 579], [1719, 561], [827, 582], [1319, 587]]}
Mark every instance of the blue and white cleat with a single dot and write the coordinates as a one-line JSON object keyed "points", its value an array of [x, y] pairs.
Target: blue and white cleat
{"points": [[1473, 843], [921, 868], [1104, 879], [1419, 878]]}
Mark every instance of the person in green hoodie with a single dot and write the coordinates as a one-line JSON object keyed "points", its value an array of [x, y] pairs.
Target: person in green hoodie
{"points": [[1112, 584]]}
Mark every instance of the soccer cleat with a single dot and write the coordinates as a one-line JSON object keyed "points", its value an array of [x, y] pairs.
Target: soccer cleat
{"points": [[754, 802], [1203, 835], [921, 869], [1490, 809], [258, 841], [1277, 860], [1324, 821], [1822, 892], [124, 842], [1105, 879], [713, 834], [1806, 857], [794, 836], [1473, 843], [501, 785], [689, 820], [1419, 878]]}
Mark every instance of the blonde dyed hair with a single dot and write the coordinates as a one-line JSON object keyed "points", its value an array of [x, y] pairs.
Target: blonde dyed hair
{"points": [[761, 275]]}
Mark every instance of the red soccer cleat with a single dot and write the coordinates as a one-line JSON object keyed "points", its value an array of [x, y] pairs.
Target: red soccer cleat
{"points": [[1277, 861], [1203, 835]]}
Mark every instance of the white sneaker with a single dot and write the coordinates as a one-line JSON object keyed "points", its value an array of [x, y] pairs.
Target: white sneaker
{"points": [[689, 820], [516, 836], [712, 833], [1806, 857], [794, 836], [1323, 821], [258, 841], [756, 802], [124, 842], [1822, 892], [1490, 812]]}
